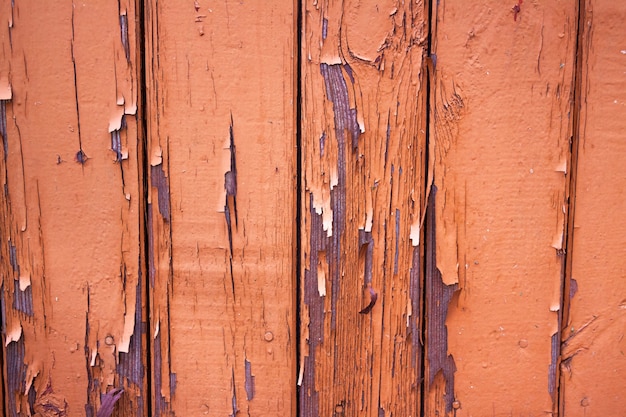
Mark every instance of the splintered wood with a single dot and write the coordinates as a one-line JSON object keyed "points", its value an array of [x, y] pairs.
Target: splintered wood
{"points": [[71, 209], [222, 206], [363, 159]]}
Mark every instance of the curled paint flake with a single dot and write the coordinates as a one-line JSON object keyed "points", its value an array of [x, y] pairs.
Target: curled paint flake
{"points": [[370, 306], [108, 402]]}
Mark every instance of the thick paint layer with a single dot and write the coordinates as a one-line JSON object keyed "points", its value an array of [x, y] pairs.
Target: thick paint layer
{"points": [[593, 348], [499, 148], [363, 157], [222, 191], [71, 208]]}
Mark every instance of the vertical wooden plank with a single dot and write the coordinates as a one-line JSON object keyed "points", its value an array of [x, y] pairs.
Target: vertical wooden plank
{"points": [[70, 163], [594, 365], [363, 156], [222, 206], [500, 152]]}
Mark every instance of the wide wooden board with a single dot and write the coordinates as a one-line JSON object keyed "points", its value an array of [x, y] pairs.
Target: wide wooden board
{"points": [[500, 151], [594, 348], [222, 206], [364, 97], [72, 266]]}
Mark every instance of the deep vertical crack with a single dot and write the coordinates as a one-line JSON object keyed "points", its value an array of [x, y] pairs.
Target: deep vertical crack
{"points": [[143, 163], [299, 188], [575, 107], [429, 115]]}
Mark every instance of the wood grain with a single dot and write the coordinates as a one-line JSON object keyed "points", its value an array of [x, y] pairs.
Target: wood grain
{"points": [[594, 364], [222, 206], [71, 208], [500, 152], [363, 165]]}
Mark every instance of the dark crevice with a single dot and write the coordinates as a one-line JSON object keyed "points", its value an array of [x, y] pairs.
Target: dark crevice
{"points": [[230, 205], [80, 155], [568, 285], [428, 77], [299, 189], [146, 234]]}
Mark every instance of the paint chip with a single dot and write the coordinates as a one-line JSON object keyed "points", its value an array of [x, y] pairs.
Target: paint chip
{"points": [[13, 335], [415, 234], [156, 330], [321, 282], [115, 122], [157, 156], [5, 88], [24, 282], [557, 243]]}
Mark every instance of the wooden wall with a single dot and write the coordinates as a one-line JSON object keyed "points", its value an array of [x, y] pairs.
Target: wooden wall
{"points": [[312, 208]]}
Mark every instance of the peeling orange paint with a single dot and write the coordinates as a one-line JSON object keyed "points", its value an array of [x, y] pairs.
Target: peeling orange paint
{"points": [[73, 229], [458, 213], [501, 124], [593, 349], [220, 93], [363, 103]]}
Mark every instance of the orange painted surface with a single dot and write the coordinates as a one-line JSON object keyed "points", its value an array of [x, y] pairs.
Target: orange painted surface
{"points": [[222, 195], [363, 168], [459, 216], [594, 348], [500, 147], [71, 208]]}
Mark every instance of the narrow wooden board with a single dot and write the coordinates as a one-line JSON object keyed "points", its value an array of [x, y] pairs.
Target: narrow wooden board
{"points": [[500, 152], [71, 209], [220, 90], [363, 164], [594, 348]]}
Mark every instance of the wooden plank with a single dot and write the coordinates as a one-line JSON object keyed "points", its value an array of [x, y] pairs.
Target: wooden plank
{"points": [[222, 206], [500, 152], [363, 157], [71, 162], [594, 365]]}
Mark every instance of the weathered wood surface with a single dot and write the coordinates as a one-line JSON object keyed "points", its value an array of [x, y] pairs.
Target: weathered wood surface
{"points": [[363, 172], [222, 206], [71, 208], [500, 147], [594, 348], [458, 226]]}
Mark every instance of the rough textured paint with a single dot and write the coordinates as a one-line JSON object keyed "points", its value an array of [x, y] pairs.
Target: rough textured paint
{"points": [[70, 216], [220, 93], [363, 167], [594, 347], [499, 153]]}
